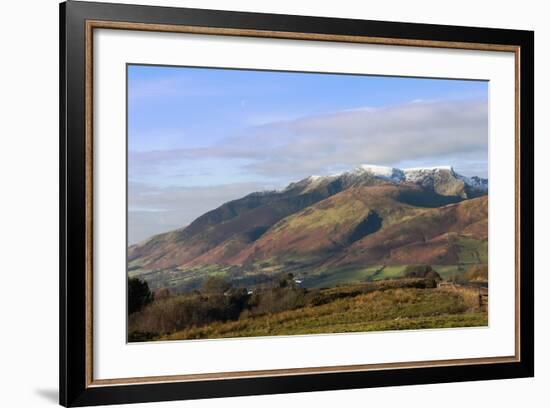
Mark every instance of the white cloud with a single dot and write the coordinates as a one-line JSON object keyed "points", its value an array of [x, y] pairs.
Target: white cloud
{"points": [[421, 133]]}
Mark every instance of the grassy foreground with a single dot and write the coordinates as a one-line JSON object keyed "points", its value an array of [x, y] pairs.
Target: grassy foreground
{"points": [[349, 309]]}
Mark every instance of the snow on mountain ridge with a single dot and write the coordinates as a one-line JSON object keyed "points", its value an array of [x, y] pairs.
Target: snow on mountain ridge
{"points": [[475, 182], [383, 172], [417, 175], [434, 168], [388, 171]]}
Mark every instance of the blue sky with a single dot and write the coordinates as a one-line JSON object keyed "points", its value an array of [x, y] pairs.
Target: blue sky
{"points": [[198, 137]]}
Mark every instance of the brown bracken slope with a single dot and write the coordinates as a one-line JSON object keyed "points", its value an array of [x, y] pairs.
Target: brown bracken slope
{"points": [[324, 227]]}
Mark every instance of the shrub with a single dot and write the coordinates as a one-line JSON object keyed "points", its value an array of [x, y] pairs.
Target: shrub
{"points": [[163, 293], [479, 273], [141, 336], [277, 299], [192, 310]]}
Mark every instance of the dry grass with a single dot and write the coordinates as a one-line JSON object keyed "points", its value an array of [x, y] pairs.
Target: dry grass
{"points": [[393, 309], [470, 295]]}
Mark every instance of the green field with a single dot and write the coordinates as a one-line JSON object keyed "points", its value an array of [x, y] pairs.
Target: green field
{"points": [[348, 275]]}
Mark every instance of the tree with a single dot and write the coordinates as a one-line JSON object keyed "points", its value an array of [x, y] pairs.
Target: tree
{"points": [[422, 271], [215, 285], [139, 295], [287, 281]]}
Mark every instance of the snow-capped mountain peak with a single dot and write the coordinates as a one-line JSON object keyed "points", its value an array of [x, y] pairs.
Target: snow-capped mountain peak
{"points": [[383, 172], [441, 179], [415, 174]]}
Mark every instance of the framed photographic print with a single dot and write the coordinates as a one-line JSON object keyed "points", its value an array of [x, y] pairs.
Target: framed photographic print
{"points": [[256, 203]]}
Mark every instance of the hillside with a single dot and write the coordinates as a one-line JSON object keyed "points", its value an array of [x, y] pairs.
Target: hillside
{"points": [[362, 224], [386, 305]]}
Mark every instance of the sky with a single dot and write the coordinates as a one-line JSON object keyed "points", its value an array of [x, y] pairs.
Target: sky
{"points": [[199, 137]]}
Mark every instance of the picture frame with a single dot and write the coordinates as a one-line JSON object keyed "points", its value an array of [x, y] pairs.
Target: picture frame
{"points": [[78, 23]]}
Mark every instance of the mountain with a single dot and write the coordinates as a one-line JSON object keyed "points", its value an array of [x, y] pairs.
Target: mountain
{"points": [[442, 180], [371, 216]]}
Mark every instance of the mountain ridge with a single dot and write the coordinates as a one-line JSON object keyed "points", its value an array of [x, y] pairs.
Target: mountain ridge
{"points": [[371, 215]]}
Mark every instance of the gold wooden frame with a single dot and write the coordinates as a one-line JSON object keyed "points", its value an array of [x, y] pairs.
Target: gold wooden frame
{"points": [[98, 24]]}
